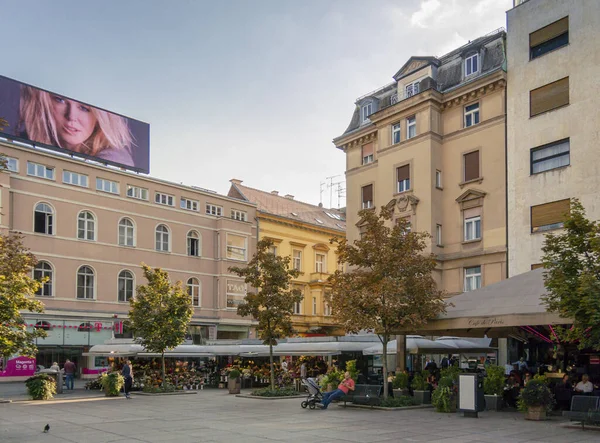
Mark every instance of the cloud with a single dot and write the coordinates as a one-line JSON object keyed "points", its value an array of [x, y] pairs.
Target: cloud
{"points": [[424, 15]]}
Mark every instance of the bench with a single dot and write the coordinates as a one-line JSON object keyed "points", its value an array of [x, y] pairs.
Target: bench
{"points": [[364, 395], [584, 408]]}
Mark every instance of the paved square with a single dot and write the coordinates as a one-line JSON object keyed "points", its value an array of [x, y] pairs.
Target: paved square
{"points": [[213, 415]]}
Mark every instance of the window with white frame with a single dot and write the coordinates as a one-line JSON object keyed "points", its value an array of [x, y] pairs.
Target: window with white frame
{"points": [[85, 283], [126, 232], [137, 192], [214, 210], [471, 65], [273, 249], [297, 259], [162, 238], [367, 196], [193, 244], [368, 152], [86, 226], [42, 171], [438, 235], [471, 115], [473, 228], [472, 278], [411, 127], [366, 110], [12, 164], [238, 215], [188, 204], [314, 307], [164, 199], [396, 133], [412, 89], [75, 179], [326, 309], [43, 219], [403, 178], [438, 179], [43, 270], [298, 308], [105, 185], [193, 288], [236, 247], [320, 262], [126, 286]]}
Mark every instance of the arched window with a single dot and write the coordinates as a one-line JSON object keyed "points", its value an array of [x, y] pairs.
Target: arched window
{"points": [[85, 327], [193, 244], [193, 287], [85, 283], [162, 238], [43, 325], [42, 270], [126, 231], [43, 219], [125, 286], [86, 226]]}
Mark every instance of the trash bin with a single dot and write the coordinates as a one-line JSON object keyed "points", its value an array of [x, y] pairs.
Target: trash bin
{"points": [[471, 399], [57, 377]]}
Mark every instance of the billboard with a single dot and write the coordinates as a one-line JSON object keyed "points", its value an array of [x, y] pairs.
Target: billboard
{"points": [[57, 122]]}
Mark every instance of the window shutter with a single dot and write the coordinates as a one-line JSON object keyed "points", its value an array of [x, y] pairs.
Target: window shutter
{"points": [[549, 213], [367, 193], [471, 166], [549, 32], [549, 97], [367, 149], [403, 173]]}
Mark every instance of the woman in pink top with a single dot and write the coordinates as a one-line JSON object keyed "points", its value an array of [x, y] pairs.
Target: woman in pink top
{"points": [[344, 387]]}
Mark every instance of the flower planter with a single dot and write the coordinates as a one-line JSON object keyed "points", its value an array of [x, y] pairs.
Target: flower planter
{"points": [[401, 392], [234, 385], [536, 413], [422, 397], [493, 402]]}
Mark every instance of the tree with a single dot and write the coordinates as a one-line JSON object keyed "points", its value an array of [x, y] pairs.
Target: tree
{"points": [[389, 284], [17, 292], [160, 313], [272, 301], [572, 277]]}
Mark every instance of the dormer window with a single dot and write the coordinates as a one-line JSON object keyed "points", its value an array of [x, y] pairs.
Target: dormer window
{"points": [[412, 89], [366, 110], [472, 65]]}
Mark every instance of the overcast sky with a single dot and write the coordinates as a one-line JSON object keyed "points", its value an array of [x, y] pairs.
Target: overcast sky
{"points": [[247, 89]]}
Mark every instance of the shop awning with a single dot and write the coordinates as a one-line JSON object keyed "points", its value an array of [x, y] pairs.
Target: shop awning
{"points": [[114, 350], [415, 344]]}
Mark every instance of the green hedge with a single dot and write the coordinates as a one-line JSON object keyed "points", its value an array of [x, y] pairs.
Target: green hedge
{"points": [[268, 392]]}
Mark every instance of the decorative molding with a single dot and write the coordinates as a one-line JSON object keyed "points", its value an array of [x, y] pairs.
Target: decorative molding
{"points": [[407, 202], [473, 95], [471, 198]]}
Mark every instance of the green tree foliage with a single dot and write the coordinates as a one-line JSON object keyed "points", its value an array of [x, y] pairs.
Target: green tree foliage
{"points": [[272, 300], [17, 295], [160, 313], [389, 285], [572, 278]]}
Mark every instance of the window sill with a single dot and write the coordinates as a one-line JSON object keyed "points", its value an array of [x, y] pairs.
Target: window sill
{"points": [[468, 182], [85, 299], [470, 126], [544, 231], [559, 168], [469, 242], [549, 110]]}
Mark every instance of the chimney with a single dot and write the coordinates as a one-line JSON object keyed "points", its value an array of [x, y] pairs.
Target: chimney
{"points": [[290, 196], [275, 192], [235, 181]]}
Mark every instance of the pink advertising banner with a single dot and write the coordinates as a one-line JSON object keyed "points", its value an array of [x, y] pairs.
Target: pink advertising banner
{"points": [[19, 367]]}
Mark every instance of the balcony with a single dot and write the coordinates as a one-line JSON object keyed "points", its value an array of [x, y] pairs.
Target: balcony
{"points": [[319, 277]]}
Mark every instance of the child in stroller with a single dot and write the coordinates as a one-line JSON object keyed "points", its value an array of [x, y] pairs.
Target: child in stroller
{"points": [[314, 393]]}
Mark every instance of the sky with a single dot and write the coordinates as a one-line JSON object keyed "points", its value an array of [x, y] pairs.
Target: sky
{"points": [[248, 89]]}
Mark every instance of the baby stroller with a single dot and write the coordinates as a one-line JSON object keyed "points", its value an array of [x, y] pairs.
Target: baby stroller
{"points": [[314, 393]]}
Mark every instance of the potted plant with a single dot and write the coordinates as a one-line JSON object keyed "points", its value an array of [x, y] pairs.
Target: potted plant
{"points": [[444, 396], [112, 384], [421, 393], [400, 384], [493, 388], [41, 387], [536, 400], [234, 382]]}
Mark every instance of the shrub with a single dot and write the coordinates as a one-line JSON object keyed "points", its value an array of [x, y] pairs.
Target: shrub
{"points": [[493, 384], [446, 382], [41, 387], [268, 392], [94, 384], [234, 373], [400, 381], [168, 387], [351, 368], [536, 393], [112, 383], [451, 371], [443, 399], [398, 402], [419, 382]]}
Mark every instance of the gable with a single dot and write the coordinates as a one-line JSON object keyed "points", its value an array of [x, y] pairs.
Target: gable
{"points": [[413, 64]]}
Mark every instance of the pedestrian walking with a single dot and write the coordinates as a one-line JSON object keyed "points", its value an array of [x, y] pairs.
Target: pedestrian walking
{"points": [[127, 373], [69, 369]]}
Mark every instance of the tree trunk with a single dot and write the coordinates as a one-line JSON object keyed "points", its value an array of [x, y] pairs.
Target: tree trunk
{"points": [[272, 369], [162, 357], [385, 340]]}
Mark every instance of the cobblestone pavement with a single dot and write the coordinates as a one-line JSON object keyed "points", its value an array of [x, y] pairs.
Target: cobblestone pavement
{"points": [[213, 415]]}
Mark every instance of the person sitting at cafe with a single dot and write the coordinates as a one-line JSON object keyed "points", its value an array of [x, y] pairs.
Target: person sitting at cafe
{"points": [[565, 383], [527, 378], [511, 391], [585, 386]]}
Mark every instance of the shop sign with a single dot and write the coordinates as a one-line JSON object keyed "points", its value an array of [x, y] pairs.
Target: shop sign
{"points": [[482, 322], [594, 359], [19, 367]]}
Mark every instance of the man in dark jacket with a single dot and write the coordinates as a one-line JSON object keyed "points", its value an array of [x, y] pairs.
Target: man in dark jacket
{"points": [[127, 374]]}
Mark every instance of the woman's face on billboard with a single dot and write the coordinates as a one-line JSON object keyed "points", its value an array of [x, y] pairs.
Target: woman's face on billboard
{"points": [[75, 122]]}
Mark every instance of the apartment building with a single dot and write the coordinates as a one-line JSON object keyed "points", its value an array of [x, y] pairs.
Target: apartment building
{"points": [[432, 144], [303, 232], [92, 226], [552, 120]]}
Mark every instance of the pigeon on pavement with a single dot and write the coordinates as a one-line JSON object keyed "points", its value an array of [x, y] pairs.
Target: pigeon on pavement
{"points": [[46, 429]]}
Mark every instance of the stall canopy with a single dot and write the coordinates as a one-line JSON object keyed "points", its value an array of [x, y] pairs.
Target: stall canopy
{"points": [[416, 344], [497, 310]]}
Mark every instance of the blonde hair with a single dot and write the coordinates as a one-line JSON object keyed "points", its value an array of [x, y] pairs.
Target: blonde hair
{"points": [[111, 131]]}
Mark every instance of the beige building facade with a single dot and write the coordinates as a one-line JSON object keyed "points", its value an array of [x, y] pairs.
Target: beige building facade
{"points": [[91, 227], [553, 120], [432, 143]]}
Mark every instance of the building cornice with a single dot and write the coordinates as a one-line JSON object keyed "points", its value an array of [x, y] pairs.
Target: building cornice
{"points": [[286, 221]]}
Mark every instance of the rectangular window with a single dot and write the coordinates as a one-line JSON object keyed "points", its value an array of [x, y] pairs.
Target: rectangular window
{"points": [[107, 185], [403, 178], [549, 38], [75, 179], [471, 65], [367, 196], [164, 199], [395, 133], [236, 292], [549, 215], [273, 250], [297, 259], [438, 179], [438, 235], [471, 115], [537, 266], [473, 228], [411, 127], [472, 278], [214, 210], [298, 307], [320, 262], [190, 205], [412, 89], [366, 111], [549, 97], [12, 164], [137, 192], [471, 165], [37, 170], [238, 215], [236, 247], [367, 153], [551, 156], [314, 305], [326, 309]]}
